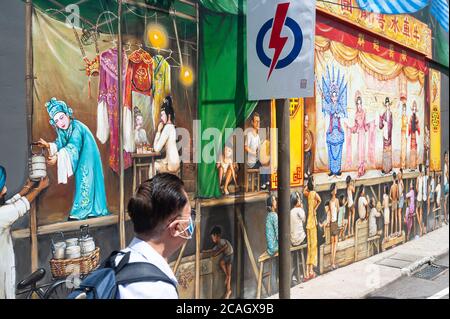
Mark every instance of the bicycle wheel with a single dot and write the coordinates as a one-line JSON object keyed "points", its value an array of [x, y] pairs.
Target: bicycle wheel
{"points": [[60, 289]]}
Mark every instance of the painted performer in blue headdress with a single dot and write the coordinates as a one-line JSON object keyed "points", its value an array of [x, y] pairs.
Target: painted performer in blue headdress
{"points": [[76, 153], [334, 104]]}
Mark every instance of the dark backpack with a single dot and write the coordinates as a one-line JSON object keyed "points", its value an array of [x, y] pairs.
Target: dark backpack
{"points": [[103, 283]]}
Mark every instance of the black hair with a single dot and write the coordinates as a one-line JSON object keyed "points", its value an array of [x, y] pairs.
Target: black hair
{"points": [[332, 187], [310, 185], [401, 170], [216, 230], [348, 179], [294, 199], [394, 175], [372, 203], [386, 189], [362, 188], [420, 168], [270, 202], [167, 107], [156, 200]]}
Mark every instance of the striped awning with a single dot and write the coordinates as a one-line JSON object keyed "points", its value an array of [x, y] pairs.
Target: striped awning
{"points": [[439, 8]]}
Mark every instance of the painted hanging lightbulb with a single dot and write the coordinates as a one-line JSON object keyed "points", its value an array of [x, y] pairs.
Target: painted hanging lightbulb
{"points": [[157, 36], [186, 75], [186, 72]]}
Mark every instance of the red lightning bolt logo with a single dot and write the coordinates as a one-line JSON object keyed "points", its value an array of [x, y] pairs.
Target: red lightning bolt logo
{"points": [[277, 42]]}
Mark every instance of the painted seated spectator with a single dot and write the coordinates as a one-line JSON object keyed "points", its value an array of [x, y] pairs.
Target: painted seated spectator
{"points": [[272, 226], [253, 147], [166, 140], [227, 169], [298, 220]]}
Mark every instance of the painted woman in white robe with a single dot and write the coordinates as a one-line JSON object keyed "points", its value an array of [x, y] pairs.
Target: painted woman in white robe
{"points": [[76, 153]]}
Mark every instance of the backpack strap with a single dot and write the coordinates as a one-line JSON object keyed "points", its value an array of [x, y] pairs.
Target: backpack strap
{"points": [[141, 272]]}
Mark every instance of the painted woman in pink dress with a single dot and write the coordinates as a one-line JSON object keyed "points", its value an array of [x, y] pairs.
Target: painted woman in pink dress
{"points": [[360, 128]]}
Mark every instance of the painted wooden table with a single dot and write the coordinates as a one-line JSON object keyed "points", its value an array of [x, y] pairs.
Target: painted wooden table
{"points": [[140, 162]]}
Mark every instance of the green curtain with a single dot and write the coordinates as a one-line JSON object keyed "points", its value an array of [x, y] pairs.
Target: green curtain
{"points": [[222, 81], [441, 43], [223, 6]]}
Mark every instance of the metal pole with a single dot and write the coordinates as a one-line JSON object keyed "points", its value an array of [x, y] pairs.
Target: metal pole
{"points": [[120, 99], [29, 87], [283, 124]]}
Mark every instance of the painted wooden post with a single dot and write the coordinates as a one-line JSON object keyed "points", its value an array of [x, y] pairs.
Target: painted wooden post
{"points": [[283, 123], [197, 248], [120, 99], [29, 84]]}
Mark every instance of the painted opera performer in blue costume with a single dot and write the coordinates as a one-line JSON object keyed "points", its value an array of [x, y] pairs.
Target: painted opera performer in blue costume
{"points": [[334, 104], [76, 153]]}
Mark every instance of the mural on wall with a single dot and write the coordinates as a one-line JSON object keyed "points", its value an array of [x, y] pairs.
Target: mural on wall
{"points": [[378, 115], [75, 153], [152, 98]]}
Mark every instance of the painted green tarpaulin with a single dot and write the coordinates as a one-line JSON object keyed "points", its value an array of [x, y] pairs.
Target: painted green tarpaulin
{"points": [[222, 80], [442, 50]]}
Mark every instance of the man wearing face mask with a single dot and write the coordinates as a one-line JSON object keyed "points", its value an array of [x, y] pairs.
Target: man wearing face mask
{"points": [[163, 221], [10, 211]]}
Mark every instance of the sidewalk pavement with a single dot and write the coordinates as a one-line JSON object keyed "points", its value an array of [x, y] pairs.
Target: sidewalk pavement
{"points": [[361, 278]]}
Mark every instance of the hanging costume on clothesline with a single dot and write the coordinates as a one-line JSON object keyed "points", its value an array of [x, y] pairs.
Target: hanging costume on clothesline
{"points": [[108, 108], [138, 93], [161, 85]]}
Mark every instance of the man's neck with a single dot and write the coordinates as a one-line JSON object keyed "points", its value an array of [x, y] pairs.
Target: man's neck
{"points": [[158, 246]]}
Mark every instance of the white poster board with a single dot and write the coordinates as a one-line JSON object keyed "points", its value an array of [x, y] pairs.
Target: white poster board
{"points": [[280, 48]]}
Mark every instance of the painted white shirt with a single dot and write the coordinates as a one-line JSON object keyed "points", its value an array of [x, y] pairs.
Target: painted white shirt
{"points": [[445, 173], [14, 208], [373, 221], [362, 203], [168, 139], [298, 218], [253, 142], [143, 252]]}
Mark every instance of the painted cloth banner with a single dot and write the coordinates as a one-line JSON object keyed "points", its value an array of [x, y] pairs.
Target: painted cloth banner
{"points": [[435, 120], [280, 42], [296, 112], [402, 29], [368, 44]]}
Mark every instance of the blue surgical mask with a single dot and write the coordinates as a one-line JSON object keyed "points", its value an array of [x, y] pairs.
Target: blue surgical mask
{"points": [[189, 230]]}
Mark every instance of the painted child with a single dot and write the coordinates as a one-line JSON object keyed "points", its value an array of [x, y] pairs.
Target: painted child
{"points": [[334, 228], [227, 168], [410, 210], [438, 191], [223, 246], [342, 221], [394, 197], [373, 215], [350, 204], [386, 213]]}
